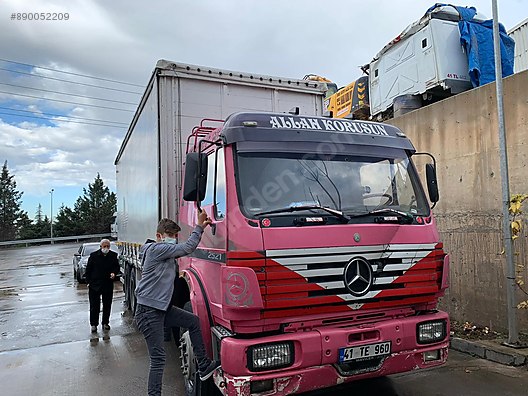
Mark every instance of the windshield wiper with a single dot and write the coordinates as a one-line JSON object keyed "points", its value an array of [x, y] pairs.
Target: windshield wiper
{"points": [[297, 208], [405, 215]]}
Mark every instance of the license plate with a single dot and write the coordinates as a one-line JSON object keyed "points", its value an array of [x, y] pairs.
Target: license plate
{"points": [[364, 351]]}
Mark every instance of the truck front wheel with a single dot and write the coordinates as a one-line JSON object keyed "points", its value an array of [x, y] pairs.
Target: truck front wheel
{"points": [[193, 385]]}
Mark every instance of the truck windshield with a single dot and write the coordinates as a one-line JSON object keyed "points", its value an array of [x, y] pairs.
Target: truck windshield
{"points": [[351, 184]]}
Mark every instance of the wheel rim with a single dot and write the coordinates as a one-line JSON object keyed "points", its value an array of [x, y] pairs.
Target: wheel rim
{"points": [[188, 364]]}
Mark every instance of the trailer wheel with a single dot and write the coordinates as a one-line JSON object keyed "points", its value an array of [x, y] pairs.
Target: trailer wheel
{"points": [[126, 286], [193, 385], [132, 303]]}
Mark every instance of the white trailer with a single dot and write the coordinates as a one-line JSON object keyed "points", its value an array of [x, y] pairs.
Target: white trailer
{"points": [[177, 98], [425, 59], [149, 163]]}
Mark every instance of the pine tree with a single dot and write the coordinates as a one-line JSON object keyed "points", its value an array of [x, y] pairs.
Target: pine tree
{"points": [[67, 223], [42, 226], [39, 216], [25, 227], [96, 207], [10, 213]]}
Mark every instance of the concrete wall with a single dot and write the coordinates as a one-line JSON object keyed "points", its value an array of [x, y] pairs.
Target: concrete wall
{"points": [[462, 133]]}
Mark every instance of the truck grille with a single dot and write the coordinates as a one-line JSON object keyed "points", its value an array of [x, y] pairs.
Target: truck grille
{"points": [[304, 281]]}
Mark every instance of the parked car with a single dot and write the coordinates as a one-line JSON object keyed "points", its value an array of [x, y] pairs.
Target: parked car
{"points": [[80, 259]]}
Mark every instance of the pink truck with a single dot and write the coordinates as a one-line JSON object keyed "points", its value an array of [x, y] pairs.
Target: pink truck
{"points": [[323, 265]]}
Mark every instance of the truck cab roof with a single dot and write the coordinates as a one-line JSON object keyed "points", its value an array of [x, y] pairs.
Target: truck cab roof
{"points": [[281, 128]]}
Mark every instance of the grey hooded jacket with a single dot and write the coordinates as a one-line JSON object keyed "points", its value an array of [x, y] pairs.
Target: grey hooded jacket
{"points": [[159, 270]]}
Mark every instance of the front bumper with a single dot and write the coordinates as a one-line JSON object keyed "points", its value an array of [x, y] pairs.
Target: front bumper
{"points": [[316, 357]]}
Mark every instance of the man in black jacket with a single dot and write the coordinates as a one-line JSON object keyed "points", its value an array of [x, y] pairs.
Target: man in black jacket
{"points": [[101, 271]]}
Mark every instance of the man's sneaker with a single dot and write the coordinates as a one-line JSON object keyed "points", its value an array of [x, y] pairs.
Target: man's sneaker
{"points": [[106, 327], [206, 374], [93, 329]]}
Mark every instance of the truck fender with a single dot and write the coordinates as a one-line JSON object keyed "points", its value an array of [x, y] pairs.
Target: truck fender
{"points": [[200, 305]]}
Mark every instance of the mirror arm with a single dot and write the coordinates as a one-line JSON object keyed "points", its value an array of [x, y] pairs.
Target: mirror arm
{"points": [[430, 155]]}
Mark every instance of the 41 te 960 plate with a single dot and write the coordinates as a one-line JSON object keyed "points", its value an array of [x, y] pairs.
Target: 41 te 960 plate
{"points": [[364, 351]]}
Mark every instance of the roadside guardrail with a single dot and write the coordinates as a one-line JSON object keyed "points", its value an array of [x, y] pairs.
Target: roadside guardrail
{"points": [[76, 238]]}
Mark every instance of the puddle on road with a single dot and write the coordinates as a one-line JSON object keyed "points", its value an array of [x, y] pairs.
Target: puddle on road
{"points": [[8, 292]]}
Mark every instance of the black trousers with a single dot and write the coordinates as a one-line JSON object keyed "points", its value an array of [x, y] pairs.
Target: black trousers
{"points": [[94, 295]]}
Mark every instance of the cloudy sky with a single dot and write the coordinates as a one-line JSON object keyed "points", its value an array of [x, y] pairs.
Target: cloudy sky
{"points": [[59, 128]]}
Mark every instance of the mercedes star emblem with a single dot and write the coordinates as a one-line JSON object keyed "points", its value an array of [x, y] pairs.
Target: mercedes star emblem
{"points": [[358, 276]]}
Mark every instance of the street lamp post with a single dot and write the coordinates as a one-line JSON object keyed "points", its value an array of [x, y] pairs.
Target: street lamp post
{"points": [[511, 286], [51, 214]]}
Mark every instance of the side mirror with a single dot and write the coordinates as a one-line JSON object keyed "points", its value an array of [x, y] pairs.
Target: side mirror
{"points": [[195, 180], [77, 254], [432, 183]]}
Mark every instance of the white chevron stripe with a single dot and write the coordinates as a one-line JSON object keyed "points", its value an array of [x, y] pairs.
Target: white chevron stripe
{"points": [[412, 246], [320, 272], [349, 249], [350, 297], [301, 265], [409, 254], [324, 251]]}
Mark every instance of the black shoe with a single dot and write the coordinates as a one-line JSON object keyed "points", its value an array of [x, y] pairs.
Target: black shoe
{"points": [[93, 329], [106, 327], [206, 374]]}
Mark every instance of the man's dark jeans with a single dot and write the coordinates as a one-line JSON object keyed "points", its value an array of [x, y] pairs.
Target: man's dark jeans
{"points": [[151, 322], [94, 295]]}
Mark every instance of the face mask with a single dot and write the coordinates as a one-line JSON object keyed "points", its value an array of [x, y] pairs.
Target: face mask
{"points": [[169, 240], [105, 250]]}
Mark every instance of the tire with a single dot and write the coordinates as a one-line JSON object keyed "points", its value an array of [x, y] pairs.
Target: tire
{"points": [[132, 302], [191, 379], [126, 287], [78, 276]]}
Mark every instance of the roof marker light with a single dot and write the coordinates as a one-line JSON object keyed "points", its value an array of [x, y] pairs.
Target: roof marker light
{"points": [[250, 123]]}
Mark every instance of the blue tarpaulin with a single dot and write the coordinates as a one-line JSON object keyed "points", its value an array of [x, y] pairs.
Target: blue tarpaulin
{"points": [[477, 39]]}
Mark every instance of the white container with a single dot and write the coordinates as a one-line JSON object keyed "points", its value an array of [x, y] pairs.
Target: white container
{"points": [[426, 58]]}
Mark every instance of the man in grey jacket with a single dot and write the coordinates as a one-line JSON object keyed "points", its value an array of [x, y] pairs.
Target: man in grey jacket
{"points": [[154, 293]]}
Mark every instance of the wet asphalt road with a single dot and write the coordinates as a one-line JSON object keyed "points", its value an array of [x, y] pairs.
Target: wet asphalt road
{"points": [[46, 347]]}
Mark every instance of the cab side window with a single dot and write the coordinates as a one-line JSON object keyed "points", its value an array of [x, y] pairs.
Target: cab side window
{"points": [[209, 191], [220, 195], [216, 190]]}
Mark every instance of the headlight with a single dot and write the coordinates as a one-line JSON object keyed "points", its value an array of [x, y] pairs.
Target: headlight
{"points": [[270, 356], [83, 263], [428, 332]]}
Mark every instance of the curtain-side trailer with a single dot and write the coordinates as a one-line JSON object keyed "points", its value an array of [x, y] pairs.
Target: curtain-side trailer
{"points": [[179, 97]]}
